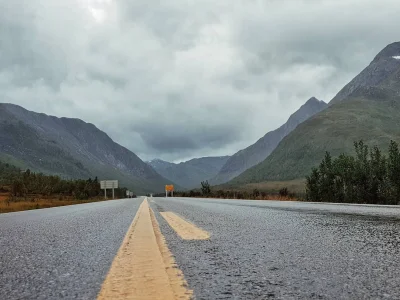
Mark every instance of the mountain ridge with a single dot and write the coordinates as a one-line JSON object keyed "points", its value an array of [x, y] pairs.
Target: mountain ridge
{"points": [[257, 152], [369, 110], [191, 173], [72, 148], [381, 67]]}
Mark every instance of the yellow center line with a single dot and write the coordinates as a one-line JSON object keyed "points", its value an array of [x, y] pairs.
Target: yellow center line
{"points": [[185, 229], [144, 268]]}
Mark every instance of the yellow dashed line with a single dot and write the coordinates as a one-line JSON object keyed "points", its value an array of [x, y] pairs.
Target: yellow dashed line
{"points": [[185, 229], [144, 268]]}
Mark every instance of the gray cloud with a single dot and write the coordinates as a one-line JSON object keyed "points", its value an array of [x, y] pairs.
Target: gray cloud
{"points": [[185, 78]]}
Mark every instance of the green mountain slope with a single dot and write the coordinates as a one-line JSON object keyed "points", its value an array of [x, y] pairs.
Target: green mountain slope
{"points": [[256, 153], [71, 148], [333, 130], [370, 110]]}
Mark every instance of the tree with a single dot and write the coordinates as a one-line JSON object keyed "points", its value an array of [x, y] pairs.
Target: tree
{"points": [[327, 178], [205, 188], [394, 171], [362, 170], [367, 177], [378, 176], [313, 186]]}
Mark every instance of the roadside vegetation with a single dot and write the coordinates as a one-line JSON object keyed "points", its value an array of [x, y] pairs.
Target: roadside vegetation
{"points": [[24, 190], [368, 177], [206, 191]]}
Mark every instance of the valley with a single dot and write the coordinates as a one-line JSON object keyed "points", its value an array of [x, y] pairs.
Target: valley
{"points": [[183, 150]]}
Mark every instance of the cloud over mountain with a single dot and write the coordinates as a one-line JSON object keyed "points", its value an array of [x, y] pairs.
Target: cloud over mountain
{"points": [[183, 79]]}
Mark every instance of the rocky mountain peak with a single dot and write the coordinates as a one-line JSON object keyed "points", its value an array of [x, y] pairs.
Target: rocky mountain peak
{"points": [[308, 109], [391, 51], [381, 73]]}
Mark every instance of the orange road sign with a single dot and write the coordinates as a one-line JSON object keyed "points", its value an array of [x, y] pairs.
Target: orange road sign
{"points": [[169, 188]]}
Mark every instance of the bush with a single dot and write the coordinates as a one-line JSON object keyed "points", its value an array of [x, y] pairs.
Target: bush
{"points": [[368, 177], [283, 192], [256, 193]]}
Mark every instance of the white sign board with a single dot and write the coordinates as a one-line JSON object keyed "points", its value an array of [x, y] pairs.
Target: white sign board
{"points": [[109, 184], [131, 194]]}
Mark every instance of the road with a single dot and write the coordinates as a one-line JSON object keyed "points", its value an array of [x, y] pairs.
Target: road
{"points": [[240, 249]]}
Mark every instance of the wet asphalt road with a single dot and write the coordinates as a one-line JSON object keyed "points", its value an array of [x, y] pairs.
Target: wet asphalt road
{"points": [[286, 250], [257, 250], [63, 252]]}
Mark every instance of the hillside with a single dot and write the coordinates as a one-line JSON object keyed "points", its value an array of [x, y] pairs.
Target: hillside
{"points": [[70, 148], [257, 152], [191, 173], [370, 112]]}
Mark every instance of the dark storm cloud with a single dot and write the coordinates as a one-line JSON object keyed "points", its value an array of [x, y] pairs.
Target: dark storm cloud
{"points": [[188, 137], [185, 78], [24, 52]]}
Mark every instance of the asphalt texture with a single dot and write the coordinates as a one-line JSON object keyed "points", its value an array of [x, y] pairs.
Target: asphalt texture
{"points": [[257, 249], [287, 250], [63, 252]]}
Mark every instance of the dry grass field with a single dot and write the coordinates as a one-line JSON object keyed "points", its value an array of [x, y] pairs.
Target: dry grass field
{"points": [[7, 205], [296, 186]]}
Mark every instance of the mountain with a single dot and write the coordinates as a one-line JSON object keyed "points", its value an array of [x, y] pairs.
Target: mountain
{"points": [[70, 148], [378, 74], [256, 153], [160, 165], [367, 108], [191, 173]]}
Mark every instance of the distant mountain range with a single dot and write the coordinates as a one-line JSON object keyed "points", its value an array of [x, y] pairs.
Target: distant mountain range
{"points": [[70, 148], [367, 108], [256, 153], [191, 173]]}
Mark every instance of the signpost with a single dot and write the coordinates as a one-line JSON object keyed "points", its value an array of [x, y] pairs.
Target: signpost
{"points": [[108, 184], [169, 188], [129, 194]]}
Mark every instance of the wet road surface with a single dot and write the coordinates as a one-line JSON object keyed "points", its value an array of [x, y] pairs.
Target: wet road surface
{"points": [[63, 252], [257, 250], [287, 250]]}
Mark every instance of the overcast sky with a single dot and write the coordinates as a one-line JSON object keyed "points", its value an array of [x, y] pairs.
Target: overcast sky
{"points": [[179, 79]]}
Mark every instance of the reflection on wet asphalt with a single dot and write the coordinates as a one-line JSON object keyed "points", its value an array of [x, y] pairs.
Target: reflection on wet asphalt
{"points": [[287, 250]]}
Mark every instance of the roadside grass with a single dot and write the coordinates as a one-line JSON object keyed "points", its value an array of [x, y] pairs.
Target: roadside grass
{"points": [[268, 190], [296, 186], [7, 205], [258, 198]]}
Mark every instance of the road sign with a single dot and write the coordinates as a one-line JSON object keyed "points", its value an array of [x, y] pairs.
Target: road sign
{"points": [[169, 188], [131, 194], [108, 184]]}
